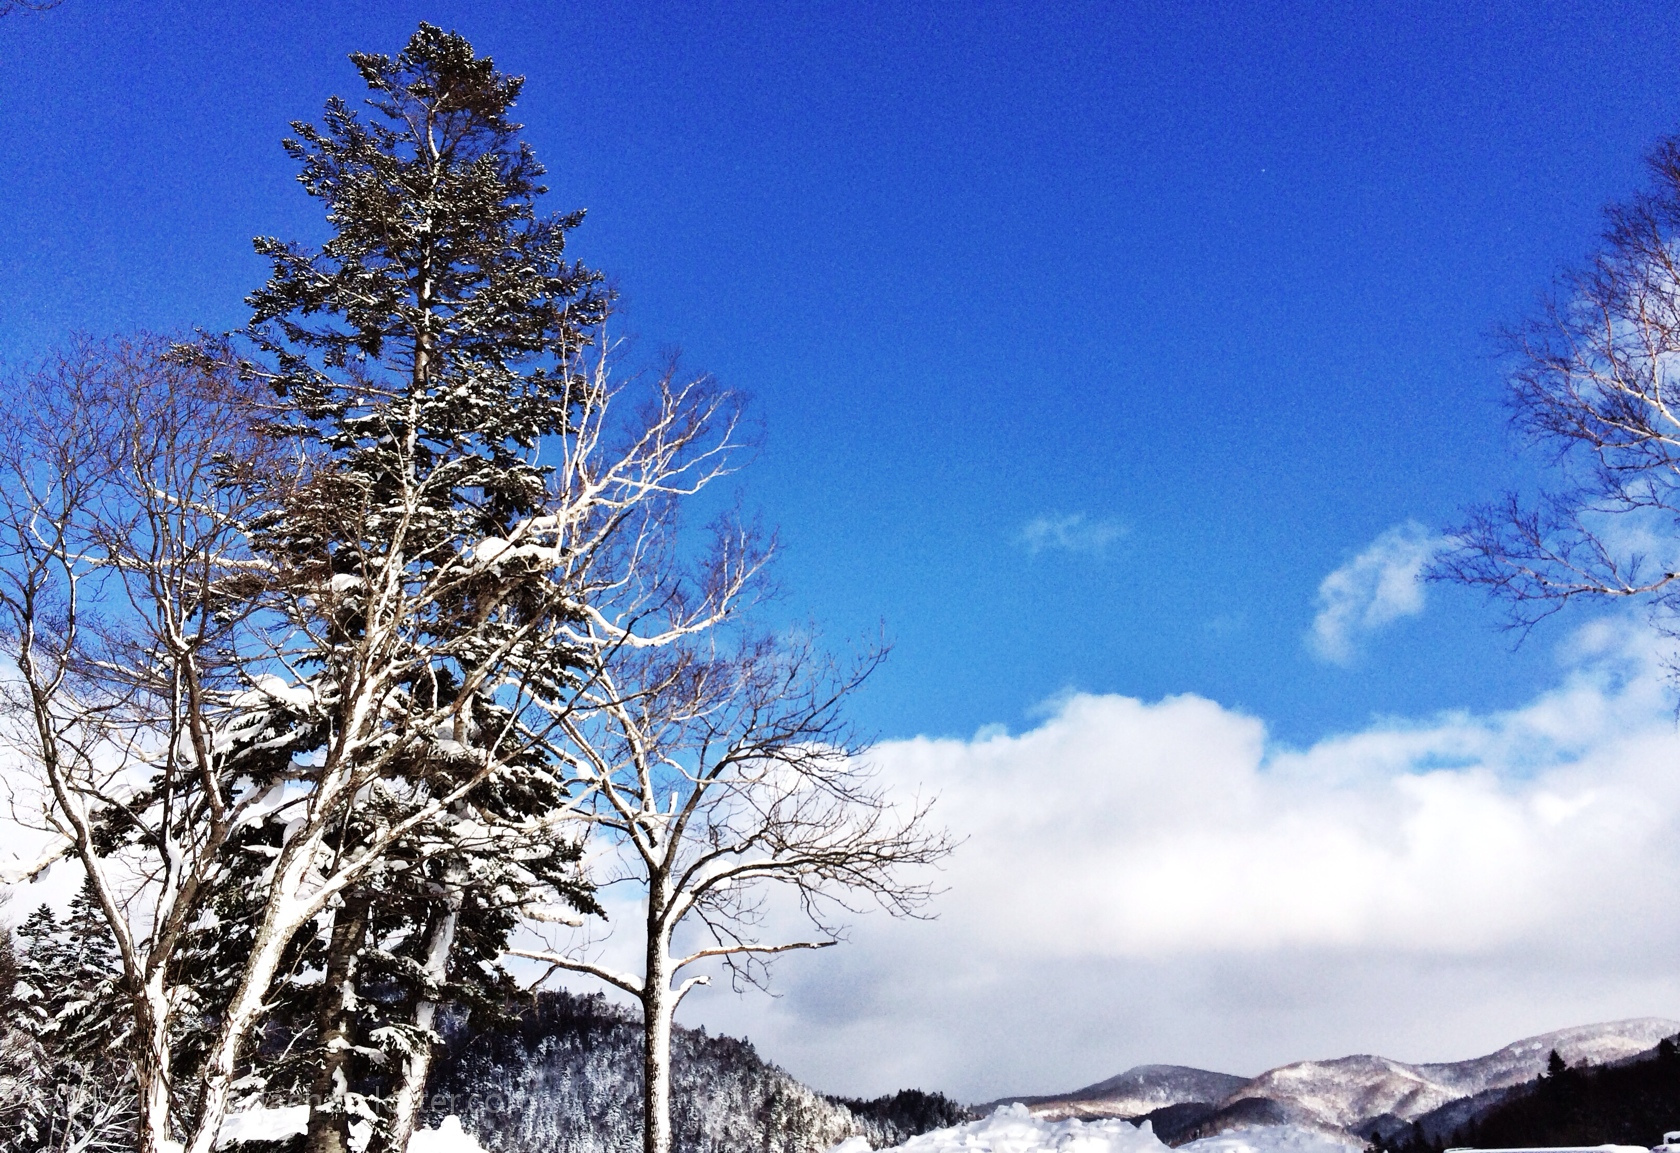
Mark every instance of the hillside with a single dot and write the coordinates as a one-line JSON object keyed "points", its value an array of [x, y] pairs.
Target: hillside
{"points": [[1630, 1103], [1362, 1095], [1138, 1092], [564, 1076]]}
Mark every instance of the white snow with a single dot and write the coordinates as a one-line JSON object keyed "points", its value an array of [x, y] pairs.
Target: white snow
{"points": [[489, 550], [448, 1137], [493, 550], [279, 1124], [262, 1125], [1275, 1139], [268, 688], [1011, 1129]]}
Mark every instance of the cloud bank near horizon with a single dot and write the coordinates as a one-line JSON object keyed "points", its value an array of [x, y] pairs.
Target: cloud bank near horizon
{"points": [[1160, 882]]}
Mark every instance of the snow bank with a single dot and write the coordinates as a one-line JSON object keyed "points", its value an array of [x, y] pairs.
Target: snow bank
{"points": [[262, 1125], [1274, 1139], [1013, 1130], [448, 1137], [292, 1121]]}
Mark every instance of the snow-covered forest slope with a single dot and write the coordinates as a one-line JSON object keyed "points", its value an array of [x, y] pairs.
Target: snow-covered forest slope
{"points": [[1137, 1092], [565, 1077]]}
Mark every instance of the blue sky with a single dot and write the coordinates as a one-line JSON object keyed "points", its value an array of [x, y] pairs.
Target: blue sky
{"points": [[1088, 339], [1220, 277]]}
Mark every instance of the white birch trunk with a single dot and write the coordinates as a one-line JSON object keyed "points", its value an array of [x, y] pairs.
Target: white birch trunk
{"points": [[151, 1071], [280, 920]]}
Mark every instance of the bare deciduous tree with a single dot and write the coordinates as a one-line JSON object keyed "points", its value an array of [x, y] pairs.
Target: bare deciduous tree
{"points": [[720, 777], [121, 565], [175, 686], [1595, 381]]}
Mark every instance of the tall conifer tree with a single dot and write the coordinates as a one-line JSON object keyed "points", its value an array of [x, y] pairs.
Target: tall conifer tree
{"points": [[425, 353]]}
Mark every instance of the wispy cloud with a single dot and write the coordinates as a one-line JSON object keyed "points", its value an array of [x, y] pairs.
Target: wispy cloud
{"points": [[1069, 532], [1373, 590]]}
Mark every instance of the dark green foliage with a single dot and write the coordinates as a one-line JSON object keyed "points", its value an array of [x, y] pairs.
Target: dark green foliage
{"points": [[68, 995], [429, 348], [1178, 1124], [423, 359], [8, 973], [442, 310], [1632, 1104], [895, 1119], [1408, 1139], [423, 355]]}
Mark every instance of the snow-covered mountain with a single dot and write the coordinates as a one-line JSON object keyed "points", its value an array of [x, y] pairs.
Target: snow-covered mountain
{"points": [[1348, 1095], [1523, 1060], [1350, 1092], [1135, 1093], [1339, 1094]]}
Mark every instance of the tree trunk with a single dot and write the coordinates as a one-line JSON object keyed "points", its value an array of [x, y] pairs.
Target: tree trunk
{"points": [[152, 1068], [656, 1038], [329, 1117], [410, 1092], [242, 1016], [279, 921]]}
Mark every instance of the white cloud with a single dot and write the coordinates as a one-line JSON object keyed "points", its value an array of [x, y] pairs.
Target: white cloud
{"points": [[1373, 590], [1069, 532], [1161, 881], [1157, 881]]}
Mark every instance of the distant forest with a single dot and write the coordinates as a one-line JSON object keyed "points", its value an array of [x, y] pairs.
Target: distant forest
{"points": [[1622, 1104], [562, 1074]]}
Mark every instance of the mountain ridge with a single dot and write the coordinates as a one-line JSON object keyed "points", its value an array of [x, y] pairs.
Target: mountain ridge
{"points": [[1356, 1095], [1137, 1092]]}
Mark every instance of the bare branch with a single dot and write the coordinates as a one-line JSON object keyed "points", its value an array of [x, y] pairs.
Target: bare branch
{"points": [[623, 981], [732, 950], [1593, 383]]}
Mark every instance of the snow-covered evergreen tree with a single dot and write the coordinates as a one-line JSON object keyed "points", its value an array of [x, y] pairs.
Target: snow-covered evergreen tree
{"points": [[565, 1076], [456, 553], [300, 622], [65, 1052], [425, 354]]}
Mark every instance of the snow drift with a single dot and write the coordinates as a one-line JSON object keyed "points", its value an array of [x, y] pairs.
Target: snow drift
{"points": [[1012, 1129]]}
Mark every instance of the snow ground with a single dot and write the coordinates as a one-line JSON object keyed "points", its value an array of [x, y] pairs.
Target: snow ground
{"points": [[1011, 1129], [262, 1125], [448, 1137], [279, 1124], [1275, 1139]]}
